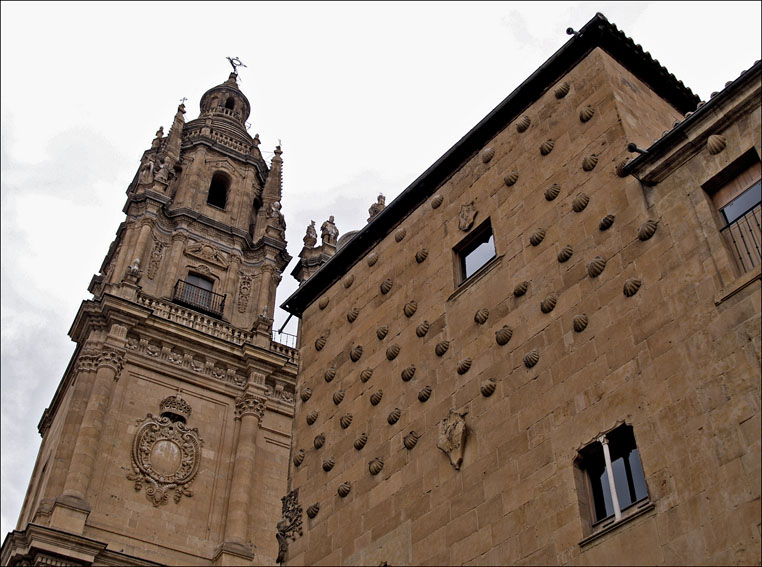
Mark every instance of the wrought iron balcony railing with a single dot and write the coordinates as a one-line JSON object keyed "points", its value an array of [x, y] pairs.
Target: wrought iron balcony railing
{"points": [[199, 298], [744, 238]]}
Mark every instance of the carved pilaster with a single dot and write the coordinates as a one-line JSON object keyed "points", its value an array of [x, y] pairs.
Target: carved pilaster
{"points": [[249, 404], [110, 359]]}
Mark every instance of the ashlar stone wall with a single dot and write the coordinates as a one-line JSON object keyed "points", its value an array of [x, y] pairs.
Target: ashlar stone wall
{"points": [[582, 356]]}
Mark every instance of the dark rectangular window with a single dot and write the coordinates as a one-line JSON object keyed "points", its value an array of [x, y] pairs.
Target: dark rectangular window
{"points": [[474, 251], [626, 472]]}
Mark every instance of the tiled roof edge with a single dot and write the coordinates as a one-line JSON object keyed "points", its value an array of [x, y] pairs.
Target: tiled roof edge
{"points": [[598, 32]]}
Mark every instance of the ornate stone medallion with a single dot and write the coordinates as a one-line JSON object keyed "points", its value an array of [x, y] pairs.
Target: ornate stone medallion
{"points": [[166, 452], [466, 216]]}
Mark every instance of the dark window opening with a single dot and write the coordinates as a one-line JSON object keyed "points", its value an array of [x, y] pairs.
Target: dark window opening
{"points": [[230, 103], [196, 292], [474, 251], [626, 470], [218, 190]]}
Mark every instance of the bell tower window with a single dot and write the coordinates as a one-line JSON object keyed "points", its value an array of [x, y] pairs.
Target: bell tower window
{"points": [[218, 190], [230, 103]]}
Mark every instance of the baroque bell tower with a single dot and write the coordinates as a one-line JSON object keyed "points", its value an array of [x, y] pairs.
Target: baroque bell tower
{"points": [[168, 438]]}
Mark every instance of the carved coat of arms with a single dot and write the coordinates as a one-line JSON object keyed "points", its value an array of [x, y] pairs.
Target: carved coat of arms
{"points": [[166, 453], [466, 216]]}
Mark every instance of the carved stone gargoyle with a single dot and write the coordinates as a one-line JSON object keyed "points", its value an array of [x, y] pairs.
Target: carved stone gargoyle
{"points": [[452, 437]]}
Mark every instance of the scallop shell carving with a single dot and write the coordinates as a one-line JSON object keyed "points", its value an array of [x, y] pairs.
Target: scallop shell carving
{"points": [[552, 192], [352, 314], [632, 286], [344, 489], [487, 154], [408, 373], [580, 202], [392, 351], [349, 280], [328, 464], [366, 374], [306, 394], [488, 388], [548, 304], [394, 416], [521, 288], [565, 253], [375, 397], [586, 113], [422, 329], [381, 332], [410, 440], [537, 237], [503, 335], [481, 316], [464, 365], [589, 163], [346, 420], [523, 124], [562, 90], [338, 397], [620, 167], [511, 178], [647, 229], [319, 441], [716, 143], [386, 285], [330, 373], [313, 510], [436, 201], [595, 267], [531, 358], [356, 353], [580, 322], [361, 441], [320, 342], [372, 258], [410, 308], [424, 394], [312, 417], [323, 302], [376, 466], [547, 147], [299, 457], [441, 348], [606, 222], [400, 235], [421, 255]]}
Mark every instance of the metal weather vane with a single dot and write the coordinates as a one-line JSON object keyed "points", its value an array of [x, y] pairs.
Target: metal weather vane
{"points": [[235, 62]]}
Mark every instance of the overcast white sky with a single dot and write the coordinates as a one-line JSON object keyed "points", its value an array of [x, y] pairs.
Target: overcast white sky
{"points": [[364, 97]]}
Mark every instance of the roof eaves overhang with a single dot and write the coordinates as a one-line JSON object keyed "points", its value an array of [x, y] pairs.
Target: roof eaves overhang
{"points": [[598, 32], [677, 135]]}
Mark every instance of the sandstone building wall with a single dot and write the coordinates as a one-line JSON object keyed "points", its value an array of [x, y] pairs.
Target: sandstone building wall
{"points": [[678, 360]]}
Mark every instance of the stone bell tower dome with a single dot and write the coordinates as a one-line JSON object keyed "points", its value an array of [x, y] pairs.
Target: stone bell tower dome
{"points": [[168, 437]]}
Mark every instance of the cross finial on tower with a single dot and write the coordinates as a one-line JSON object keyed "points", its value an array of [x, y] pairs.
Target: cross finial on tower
{"points": [[235, 62], [182, 100]]}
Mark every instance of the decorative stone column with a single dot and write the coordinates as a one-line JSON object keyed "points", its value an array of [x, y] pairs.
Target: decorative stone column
{"points": [[249, 409], [172, 271], [263, 302], [109, 363], [145, 232]]}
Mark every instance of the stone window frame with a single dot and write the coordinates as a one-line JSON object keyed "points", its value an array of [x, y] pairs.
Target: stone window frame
{"points": [[219, 190], [482, 234], [712, 190], [592, 529]]}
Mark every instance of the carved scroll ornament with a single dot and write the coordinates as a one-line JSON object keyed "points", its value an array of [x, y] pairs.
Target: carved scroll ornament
{"points": [[166, 453]]}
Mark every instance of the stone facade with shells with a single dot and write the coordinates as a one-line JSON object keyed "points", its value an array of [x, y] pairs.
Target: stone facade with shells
{"points": [[579, 323]]}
